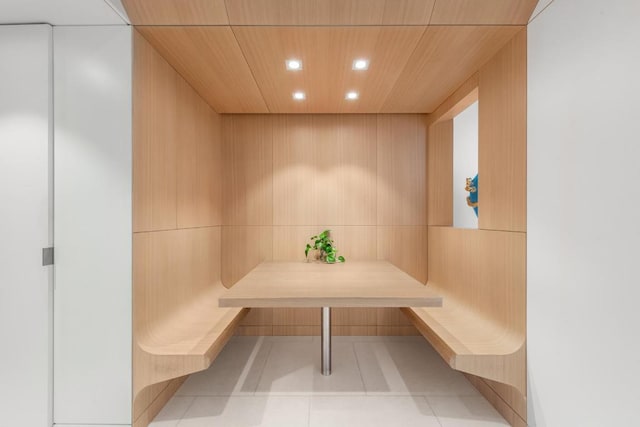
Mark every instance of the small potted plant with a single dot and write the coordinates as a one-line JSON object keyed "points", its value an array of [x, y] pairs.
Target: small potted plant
{"points": [[324, 249]]}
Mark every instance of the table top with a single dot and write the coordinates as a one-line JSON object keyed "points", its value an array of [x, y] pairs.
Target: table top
{"points": [[315, 284]]}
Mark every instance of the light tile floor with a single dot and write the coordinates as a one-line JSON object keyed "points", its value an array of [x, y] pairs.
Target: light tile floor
{"points": [[376, 381]]}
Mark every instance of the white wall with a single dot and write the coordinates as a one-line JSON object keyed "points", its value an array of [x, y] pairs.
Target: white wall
{"points": [[465, 164], [62, 12], [92, 349], [584, 214], [25, 225]]}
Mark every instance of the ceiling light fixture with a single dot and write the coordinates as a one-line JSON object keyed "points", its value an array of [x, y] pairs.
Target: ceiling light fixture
{"points": [[293, 64], [299, 96], [351, 96], [360, 64]]}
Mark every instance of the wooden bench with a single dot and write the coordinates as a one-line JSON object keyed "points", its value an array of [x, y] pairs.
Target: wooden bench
{"points": [[186, 341], [481, 327], [179, 327]]}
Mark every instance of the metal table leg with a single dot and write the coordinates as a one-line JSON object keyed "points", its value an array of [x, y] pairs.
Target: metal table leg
{"points": [[326, 340]]}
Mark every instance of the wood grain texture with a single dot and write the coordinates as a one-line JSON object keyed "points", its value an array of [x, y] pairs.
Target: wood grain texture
{"points": [[314, 284], [440, 174], [154, 142], [502, 144], [258, 317], [391, 317], [158, 395], [401, 152], [308, 149], [444, 58], [327, 54], [482, 12], [501, 401], [405, 246], [324, 169], [171, 12], [457, 102], [178, 327], [199, 155], [406, 330], [254, 331], [482, 331], [329, 12], [245, 247], [210, 59], [247, 150]]}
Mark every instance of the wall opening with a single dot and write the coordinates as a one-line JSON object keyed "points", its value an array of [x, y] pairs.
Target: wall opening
{"points": [[465, 166]]}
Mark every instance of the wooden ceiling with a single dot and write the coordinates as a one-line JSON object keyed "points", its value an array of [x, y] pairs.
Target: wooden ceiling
{"points": [[233, 52], [329, 12]]}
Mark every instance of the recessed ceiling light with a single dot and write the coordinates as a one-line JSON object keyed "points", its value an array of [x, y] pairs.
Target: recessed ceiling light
{"points": [[293, 64], [299, 96], [360, 64], [351, 96]]}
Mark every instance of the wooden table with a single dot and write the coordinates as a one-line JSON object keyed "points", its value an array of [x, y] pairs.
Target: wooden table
{"points": [[352, 284]]}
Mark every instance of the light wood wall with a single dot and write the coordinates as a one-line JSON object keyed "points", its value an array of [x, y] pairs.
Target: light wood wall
{"points": [[288, 177], [177, 202], [500, 86]]}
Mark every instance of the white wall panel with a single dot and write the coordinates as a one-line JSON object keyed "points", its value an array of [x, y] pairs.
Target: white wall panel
{"points": [[583, 214], [60, 12], [92, 92], [25, 285]]}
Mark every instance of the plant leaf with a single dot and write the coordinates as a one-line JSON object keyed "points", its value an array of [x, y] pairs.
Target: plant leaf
{"points": [[341, 259], [331, 259]]}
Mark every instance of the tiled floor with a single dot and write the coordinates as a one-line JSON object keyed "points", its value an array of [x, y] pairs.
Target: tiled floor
{"points": [[376, 381]]}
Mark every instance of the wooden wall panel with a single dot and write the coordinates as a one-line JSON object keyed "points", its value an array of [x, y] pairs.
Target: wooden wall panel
{"points": [[326, 175], [401, 170], [247, 147], [210, 59], [481, 269], [482, 12], [405, 246], [327, 54], [502, 144], [176, 211], [324, 170], [245, 247], [171, 268], [154, 149], [443, 59], [440, 173], [172, 12], [329, 12], [199, 155]]}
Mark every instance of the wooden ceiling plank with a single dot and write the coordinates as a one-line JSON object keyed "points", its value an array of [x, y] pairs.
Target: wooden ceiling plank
{"points": [[172, 12], [327, 55], [329, 12], [444, 58], [482, 12], [210, 59]]}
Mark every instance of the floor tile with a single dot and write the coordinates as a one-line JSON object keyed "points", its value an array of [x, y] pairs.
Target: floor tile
{"points": [[245, 411], [371, 411], [235, 371], [172, 412], [465, 411], [408, 367], [294, 368]]}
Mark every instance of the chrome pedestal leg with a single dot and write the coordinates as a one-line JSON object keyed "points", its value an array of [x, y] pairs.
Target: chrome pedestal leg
{"points": [[326, 340]]}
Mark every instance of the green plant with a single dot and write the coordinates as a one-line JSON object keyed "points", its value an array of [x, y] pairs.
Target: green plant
{"points": [[323, 243]]}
